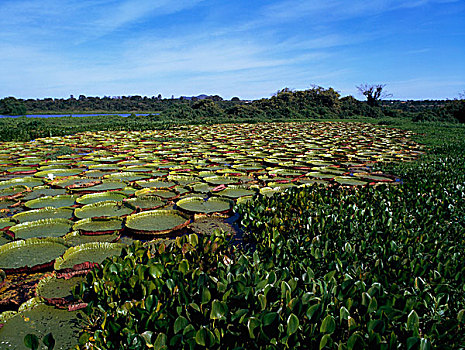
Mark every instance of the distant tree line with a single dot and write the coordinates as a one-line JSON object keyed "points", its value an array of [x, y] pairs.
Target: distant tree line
{"points": [[313, 103]]}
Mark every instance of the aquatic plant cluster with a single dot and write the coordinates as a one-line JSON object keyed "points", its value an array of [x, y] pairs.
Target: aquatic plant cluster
{"points": [[70, 202]]}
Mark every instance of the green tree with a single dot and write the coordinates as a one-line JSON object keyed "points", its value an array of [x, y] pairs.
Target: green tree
{"points": [[12, 106]]}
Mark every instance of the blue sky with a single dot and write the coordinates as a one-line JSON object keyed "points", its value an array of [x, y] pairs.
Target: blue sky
{"points": [[250, 49]]}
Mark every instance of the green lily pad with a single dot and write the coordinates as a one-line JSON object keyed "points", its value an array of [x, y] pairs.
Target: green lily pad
{"points": [[106, 185], [41, 320], [30, 253], [199, 205], [42, 228], [43, 192], [51, 287], [144, 203], [74, 238], [165, 194], [127, 176], [236, 192], [98, 226], [221, 180], [49, 201], [44, 213], [24, 181], [101, 197], [349, 181], [6, 222], [94, 252], [156, 183], [101, 209], [53, 173], [157, 221]]}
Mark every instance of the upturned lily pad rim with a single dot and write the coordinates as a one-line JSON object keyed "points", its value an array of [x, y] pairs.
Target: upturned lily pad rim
{"points": [[31, 242], [59, 262], [131, 218]]}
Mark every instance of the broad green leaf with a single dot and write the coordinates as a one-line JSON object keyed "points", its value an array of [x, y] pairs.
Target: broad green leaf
{"points": [[292, 324], [219, 309], [160, 342], [325, 340], [328, 325], [206, 296], [180, 323]]}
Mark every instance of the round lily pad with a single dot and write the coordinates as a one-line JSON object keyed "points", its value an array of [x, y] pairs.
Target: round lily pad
{"points": [[97, 226], [200, 205], [156, 183], [106, 185], [49, 201], [101, 209], [101, 197], [349, 181], [221, 180], [25, 181], [41, 320], [53, 173], [165, 194], [145, 203], [44, 213], [57, 289], [42, 228], [43, 192], [94, 252], [30, 254], [157, 221], [75, 238], [236, 192]]}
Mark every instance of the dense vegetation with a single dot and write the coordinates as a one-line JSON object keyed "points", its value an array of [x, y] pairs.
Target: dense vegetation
{"points": [[338, 268], [314, 103]]}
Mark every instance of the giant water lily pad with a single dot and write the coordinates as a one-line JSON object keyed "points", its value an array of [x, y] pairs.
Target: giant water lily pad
{"points": [[165, 194], [41, 320], [99, 225], [157, 221], [25, 181], [75, 238], [43, 192], [42, 228], [127, 176], [144, 203], [53, 289], [349, 181], [236, 192], [101, 197], [53, 173], [221, 180], [49, 201], [101, 209], [156, 183], [44, 213], [200, 205], [94, 252], [107, 185], [33, 253]]}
